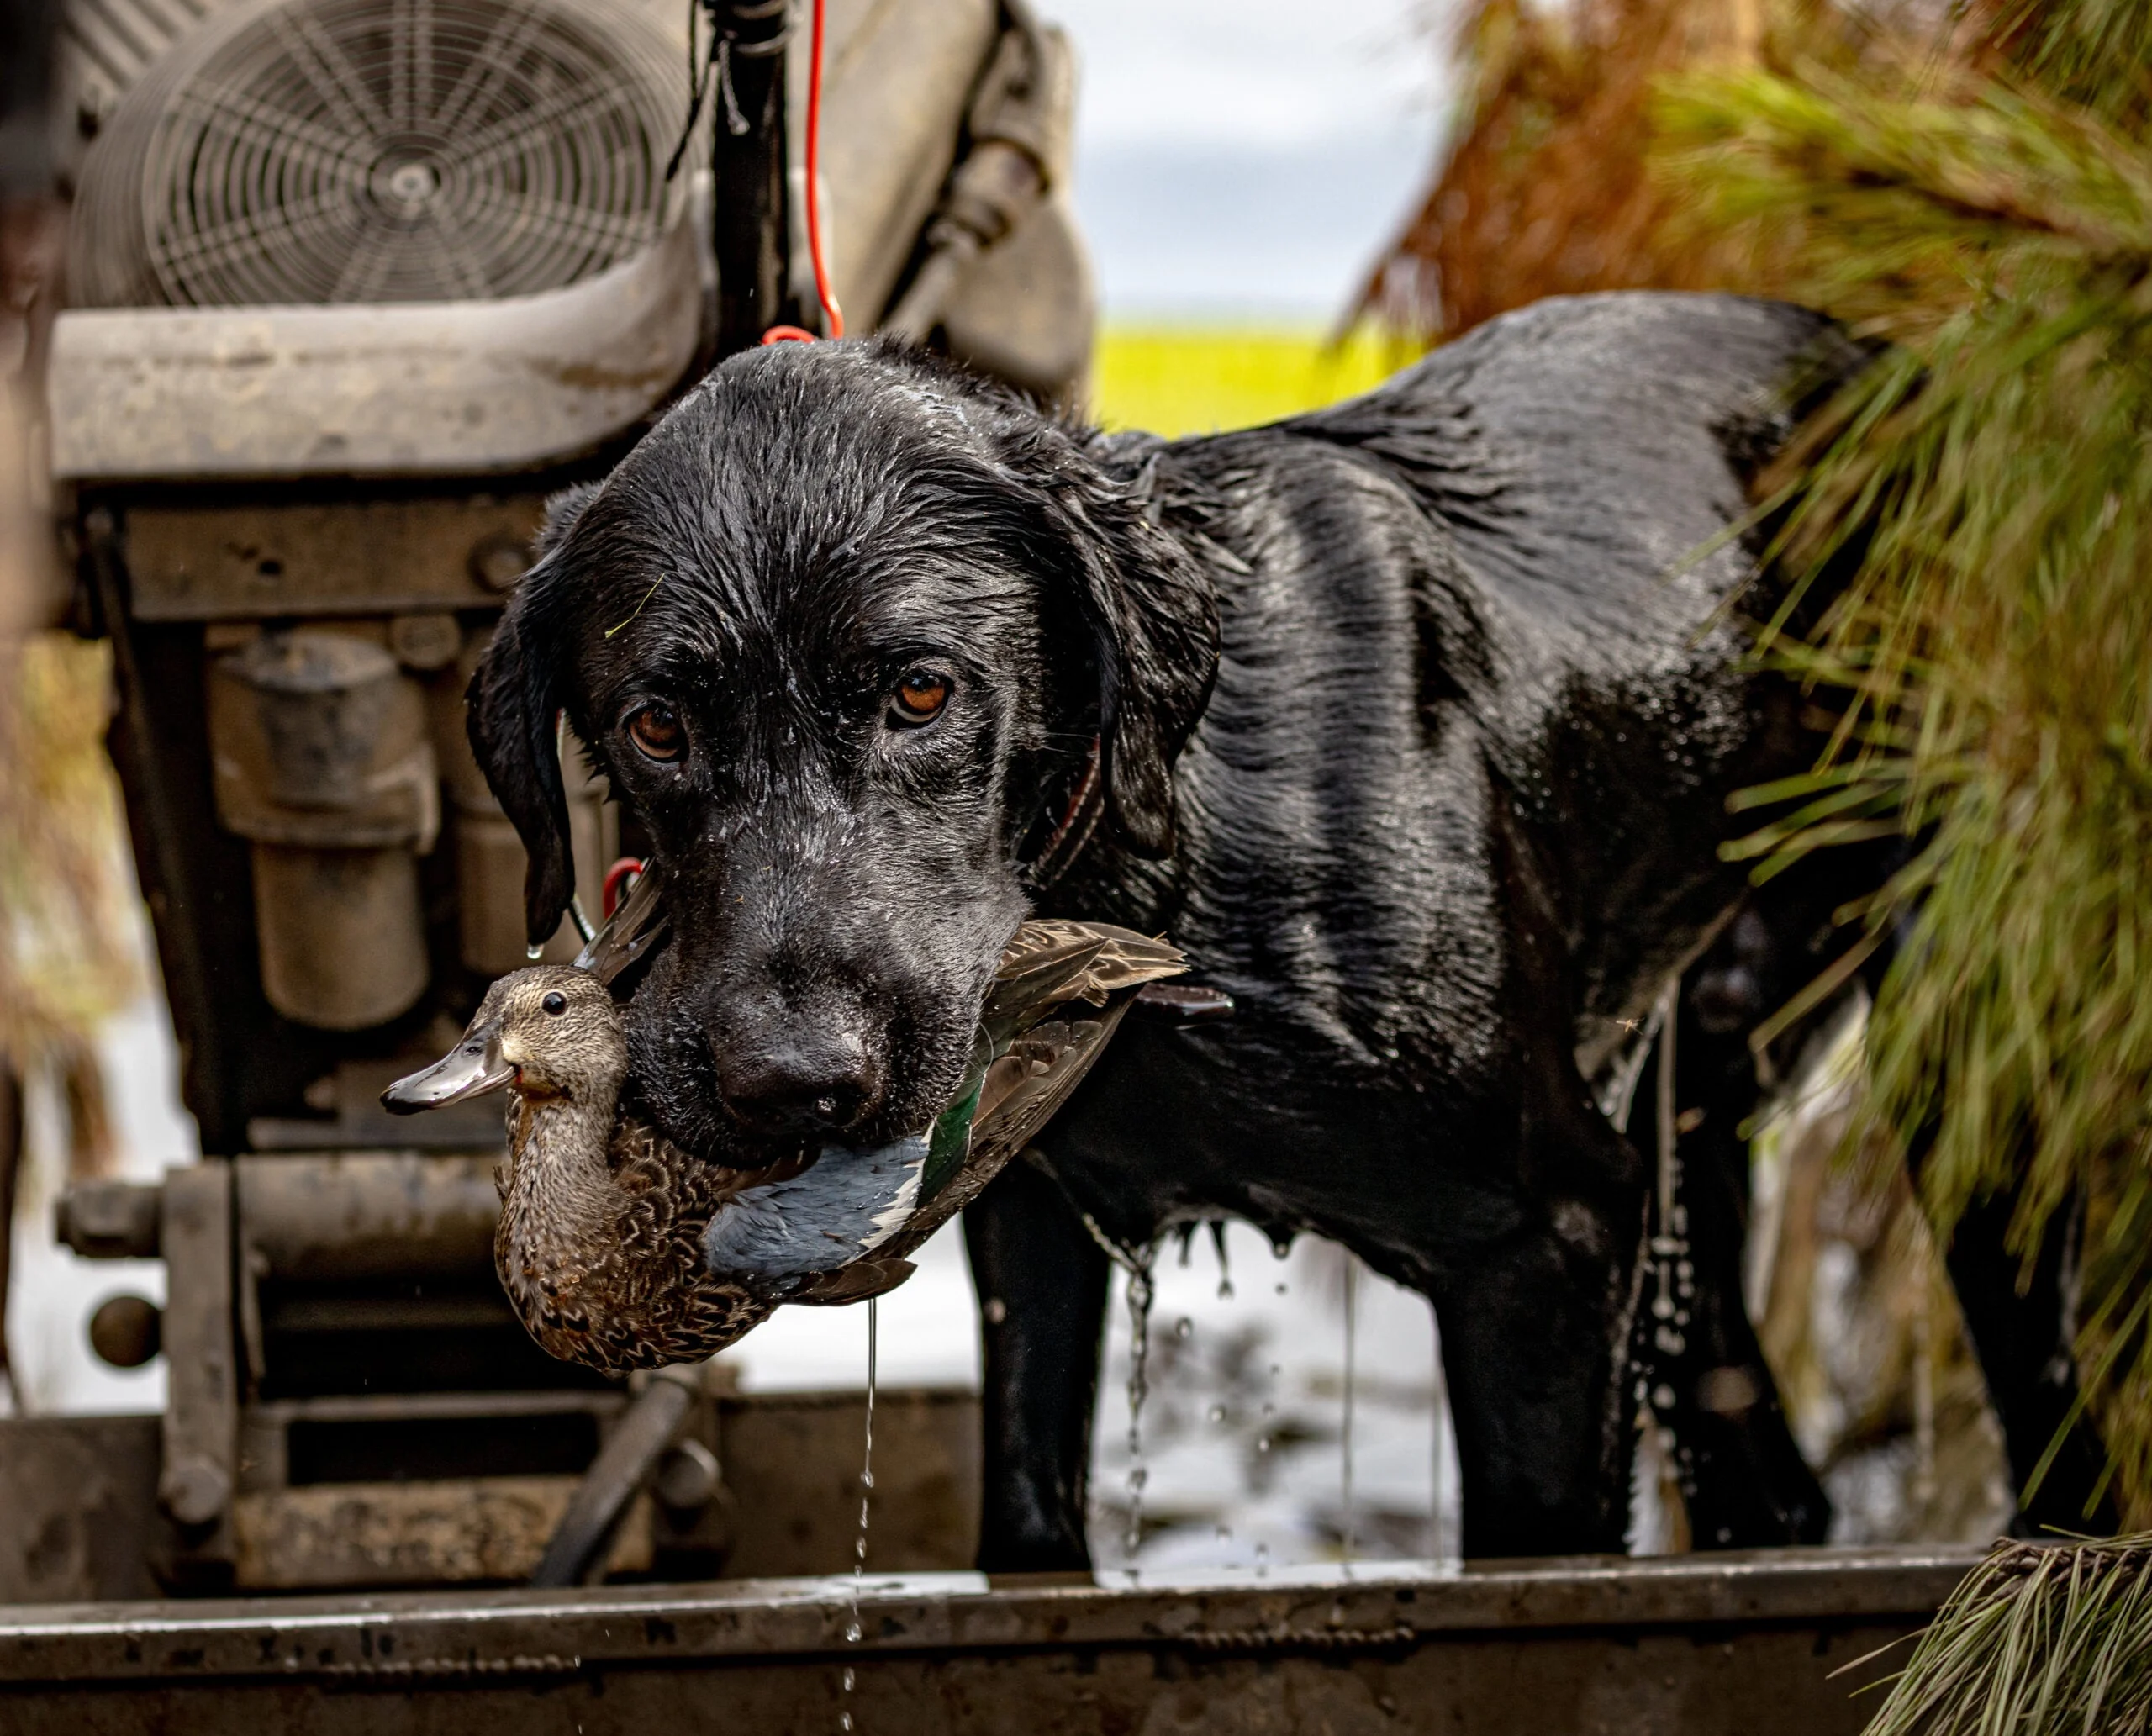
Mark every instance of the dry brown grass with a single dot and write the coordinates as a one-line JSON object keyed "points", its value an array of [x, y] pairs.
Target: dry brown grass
{"points": [[68, 927], [1546, 188], [69, 952], [1551, 184]]}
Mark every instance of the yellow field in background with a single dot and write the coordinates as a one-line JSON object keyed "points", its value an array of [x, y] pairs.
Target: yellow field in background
{"points": [[1199, 379]]}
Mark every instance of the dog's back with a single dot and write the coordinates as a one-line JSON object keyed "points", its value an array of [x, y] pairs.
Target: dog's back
{"points": [[1532, 536]]}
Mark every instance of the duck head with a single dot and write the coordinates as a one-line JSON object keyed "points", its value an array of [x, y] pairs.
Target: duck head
{"points": [[550, 1030]]}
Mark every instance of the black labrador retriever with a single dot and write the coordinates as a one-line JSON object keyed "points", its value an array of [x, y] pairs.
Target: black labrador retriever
{"points": [[1412, 720]]}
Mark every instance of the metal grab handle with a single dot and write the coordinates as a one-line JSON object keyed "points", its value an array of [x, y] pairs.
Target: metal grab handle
{"points": [[623, 1465]]}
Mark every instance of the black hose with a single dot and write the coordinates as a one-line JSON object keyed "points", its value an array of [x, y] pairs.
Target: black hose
{"points": [[623, 1465], [751, 232]]}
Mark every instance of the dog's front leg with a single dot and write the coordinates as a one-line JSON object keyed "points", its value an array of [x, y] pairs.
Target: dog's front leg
{"points": [[1042, 1284], [1535, 1329]]}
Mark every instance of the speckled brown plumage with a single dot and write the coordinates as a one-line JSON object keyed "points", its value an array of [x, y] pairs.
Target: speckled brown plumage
{"points": [[600, 1245]]}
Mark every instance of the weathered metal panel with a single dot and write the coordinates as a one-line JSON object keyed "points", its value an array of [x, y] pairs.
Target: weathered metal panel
{"points": [[413, 1533], [792, 1463], [79, 1520], [78, 1507], [314, 558], [899, 74], [418, 388], [1743, 1645]]}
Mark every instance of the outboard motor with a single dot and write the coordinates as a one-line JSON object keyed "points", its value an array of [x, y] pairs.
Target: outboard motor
{"points": [[353, 287]]}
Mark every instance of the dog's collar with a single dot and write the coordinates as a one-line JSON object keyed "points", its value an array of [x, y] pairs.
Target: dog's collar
{"points": [[1080, 819]]}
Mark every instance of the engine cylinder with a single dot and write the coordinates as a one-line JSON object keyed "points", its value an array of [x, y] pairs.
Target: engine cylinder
{"points": [[322, 762]]}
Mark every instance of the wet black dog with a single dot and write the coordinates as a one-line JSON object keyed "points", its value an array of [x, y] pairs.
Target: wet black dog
{"points": [[1415, 721]]}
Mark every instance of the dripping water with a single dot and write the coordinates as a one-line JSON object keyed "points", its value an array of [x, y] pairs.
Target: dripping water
{"points": [[853, 1630], [1225, 1269], [1139, 1293], [1438, 1428], [1345, 1427]]}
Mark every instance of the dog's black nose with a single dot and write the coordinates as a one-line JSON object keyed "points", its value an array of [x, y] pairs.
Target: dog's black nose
{"points": [[811, 1083]]}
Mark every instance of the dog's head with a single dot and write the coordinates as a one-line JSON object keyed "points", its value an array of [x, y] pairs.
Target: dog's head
{"points": [[836, 631]]}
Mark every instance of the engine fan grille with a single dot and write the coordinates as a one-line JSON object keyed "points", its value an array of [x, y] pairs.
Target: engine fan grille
{"points": [[381, 150]]}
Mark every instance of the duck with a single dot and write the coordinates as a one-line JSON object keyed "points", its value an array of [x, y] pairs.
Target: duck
{"points": [[619, 1250]]}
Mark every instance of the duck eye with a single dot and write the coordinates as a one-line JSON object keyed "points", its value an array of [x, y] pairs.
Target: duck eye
{"points": [[919, 697], [555, 1003], [656, 734]]}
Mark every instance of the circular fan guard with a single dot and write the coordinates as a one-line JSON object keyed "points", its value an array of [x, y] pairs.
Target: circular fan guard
{"points": [[381, 150]]}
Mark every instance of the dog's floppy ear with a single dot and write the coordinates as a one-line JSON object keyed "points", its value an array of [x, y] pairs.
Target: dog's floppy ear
{"points": [[1153, 614], [511, 712], [561, 511]]}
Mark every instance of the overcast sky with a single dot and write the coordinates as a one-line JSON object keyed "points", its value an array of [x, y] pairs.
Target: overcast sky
{"points": [[1247, 156]]}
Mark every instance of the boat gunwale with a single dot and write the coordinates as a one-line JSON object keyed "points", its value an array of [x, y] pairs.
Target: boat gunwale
{"points": [[404, 1636]]}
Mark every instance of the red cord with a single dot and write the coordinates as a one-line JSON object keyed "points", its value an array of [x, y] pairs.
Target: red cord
{"points": [[627, 868], [833, 316]]}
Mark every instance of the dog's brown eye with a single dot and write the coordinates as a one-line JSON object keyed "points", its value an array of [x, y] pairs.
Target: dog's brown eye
{"points": [[657, 735], [920, 696]]}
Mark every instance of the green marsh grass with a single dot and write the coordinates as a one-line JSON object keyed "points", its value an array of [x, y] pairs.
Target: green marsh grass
{"points": [[1201, 379]]}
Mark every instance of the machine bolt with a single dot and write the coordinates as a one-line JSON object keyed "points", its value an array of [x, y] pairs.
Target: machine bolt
{"points": [[194, 1490], [498, 560], [686, 1478], [425, 642], [126, 1331], [110, 1220]]}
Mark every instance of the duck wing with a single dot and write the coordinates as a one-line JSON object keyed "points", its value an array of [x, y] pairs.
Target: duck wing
{"points": [[1052, 960], [1038, 1039], [846, 1204]]}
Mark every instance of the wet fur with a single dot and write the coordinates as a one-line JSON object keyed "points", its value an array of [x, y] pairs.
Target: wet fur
{"points": [[1419, 716]]}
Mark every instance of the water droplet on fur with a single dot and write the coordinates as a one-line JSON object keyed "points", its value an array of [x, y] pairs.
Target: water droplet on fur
{"points": [[1218, 1413], [1225, 1534], [1184, 1328]]}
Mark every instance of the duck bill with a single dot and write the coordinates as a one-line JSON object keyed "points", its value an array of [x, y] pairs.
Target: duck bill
{"points": [[470, 1069]]}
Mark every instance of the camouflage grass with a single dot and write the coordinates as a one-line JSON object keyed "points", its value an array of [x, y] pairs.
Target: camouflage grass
{"points": [[1989, 487], [2040, 1640]]}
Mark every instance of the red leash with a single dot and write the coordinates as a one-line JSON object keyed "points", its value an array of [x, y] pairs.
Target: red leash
{"points": [[832, 315]]}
